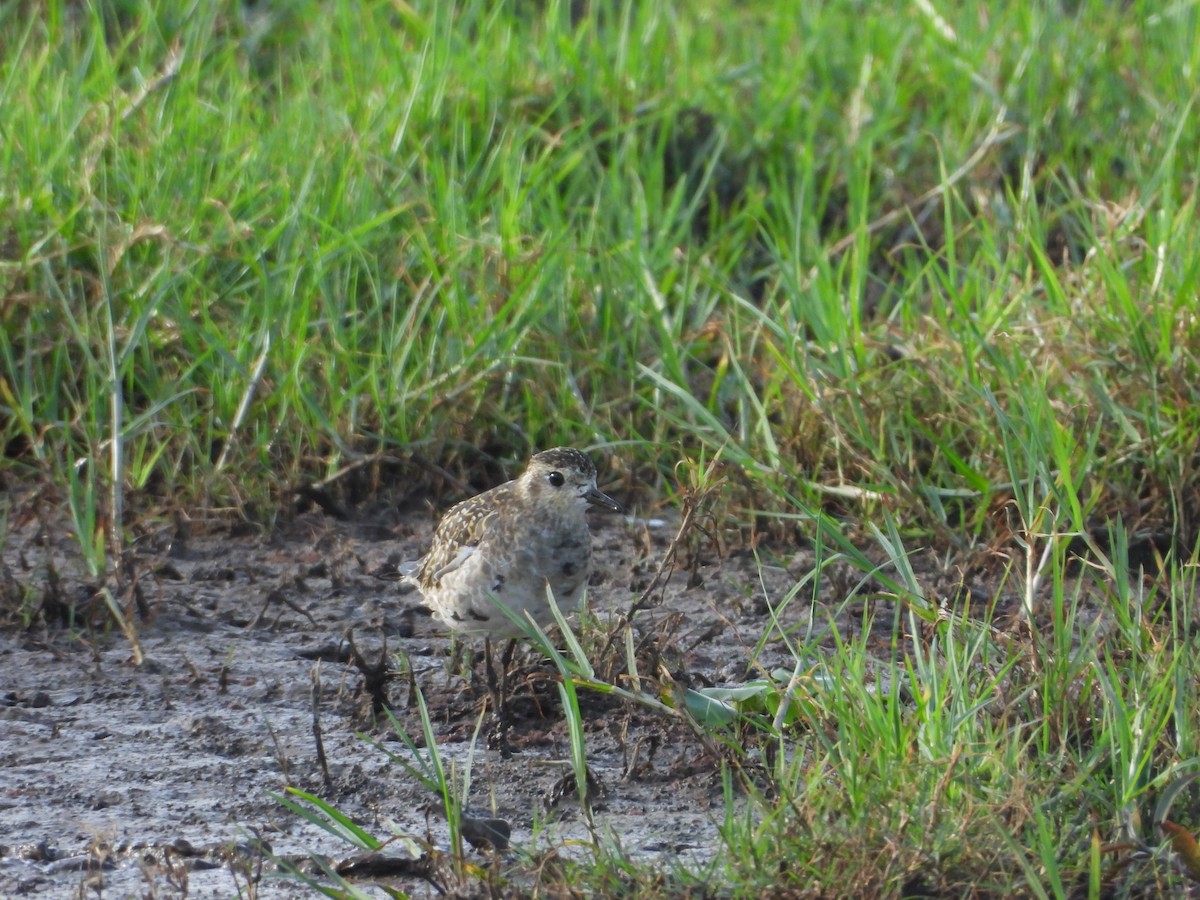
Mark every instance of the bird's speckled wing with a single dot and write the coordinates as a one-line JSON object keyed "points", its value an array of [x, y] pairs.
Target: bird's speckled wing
{"points": [[459, 533]]}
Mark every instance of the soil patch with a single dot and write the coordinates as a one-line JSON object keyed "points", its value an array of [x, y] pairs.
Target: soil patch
{"points": [[158, 779]]}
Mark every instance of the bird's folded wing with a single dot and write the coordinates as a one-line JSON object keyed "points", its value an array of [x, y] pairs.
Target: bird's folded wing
{"points": [[460, 534], [456, 561]]}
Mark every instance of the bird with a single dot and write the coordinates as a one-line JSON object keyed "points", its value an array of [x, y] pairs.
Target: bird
{"points": [[503, 548]]}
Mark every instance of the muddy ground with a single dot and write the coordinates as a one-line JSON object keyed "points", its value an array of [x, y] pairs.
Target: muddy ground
{"points": [[157, 780]]}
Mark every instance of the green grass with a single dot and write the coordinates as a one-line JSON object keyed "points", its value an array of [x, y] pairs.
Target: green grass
{"points": [[935, 267]]}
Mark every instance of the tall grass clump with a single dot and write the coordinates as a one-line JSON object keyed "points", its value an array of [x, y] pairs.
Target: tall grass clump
{"points": [[325, 230]]}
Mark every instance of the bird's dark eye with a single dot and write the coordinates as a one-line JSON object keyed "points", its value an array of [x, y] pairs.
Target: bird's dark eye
{"points": [[556, 479]]}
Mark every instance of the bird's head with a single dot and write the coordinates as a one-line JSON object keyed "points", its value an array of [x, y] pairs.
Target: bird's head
{"points": [[563, 480]]}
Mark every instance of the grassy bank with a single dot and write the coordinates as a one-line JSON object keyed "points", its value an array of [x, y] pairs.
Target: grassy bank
{"points": [[929, 267]]}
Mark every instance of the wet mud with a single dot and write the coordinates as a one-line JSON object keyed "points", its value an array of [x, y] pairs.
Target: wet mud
{"points": [[267, 658]]}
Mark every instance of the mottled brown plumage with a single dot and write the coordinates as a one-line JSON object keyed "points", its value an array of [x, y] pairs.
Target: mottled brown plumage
{"points": [[506, 545]]}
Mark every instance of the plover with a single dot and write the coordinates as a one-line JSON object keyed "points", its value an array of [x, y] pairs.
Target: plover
{"points": [[506, 545]]}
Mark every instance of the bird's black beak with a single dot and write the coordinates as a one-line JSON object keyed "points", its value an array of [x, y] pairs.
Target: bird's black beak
{"points": [[597, 497]]}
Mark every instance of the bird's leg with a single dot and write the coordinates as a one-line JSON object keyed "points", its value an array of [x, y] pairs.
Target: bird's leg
{"points": [[492, 682], [455, 666], [498, 735], [505, 664], [498, 688]]}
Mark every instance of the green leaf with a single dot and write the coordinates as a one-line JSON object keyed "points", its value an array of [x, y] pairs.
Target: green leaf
{"points": [[710, 712]]}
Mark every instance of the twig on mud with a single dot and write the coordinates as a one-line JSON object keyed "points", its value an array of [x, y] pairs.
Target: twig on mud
{"points": [[278, 596], [315, 696], [125, 623], [693, 502], [280, 754], [375, 675], [246, 859]]}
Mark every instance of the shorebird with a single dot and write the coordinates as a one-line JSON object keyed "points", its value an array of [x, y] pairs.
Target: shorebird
{"points": [[506, 546]]}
